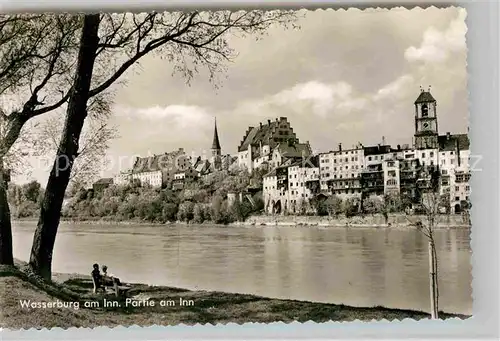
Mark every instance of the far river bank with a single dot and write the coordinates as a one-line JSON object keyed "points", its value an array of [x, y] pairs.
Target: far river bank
{"points": [[362, 221]]}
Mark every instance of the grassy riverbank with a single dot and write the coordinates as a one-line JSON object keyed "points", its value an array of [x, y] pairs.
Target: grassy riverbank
{"points": [[208, 307]]}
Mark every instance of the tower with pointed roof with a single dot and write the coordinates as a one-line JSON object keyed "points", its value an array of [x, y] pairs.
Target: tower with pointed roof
{"points": [[216, 149], [426, 124]]}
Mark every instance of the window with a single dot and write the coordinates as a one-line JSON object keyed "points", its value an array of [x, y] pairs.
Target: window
{"points": [[432, 154], [369, 158], [346, 167], [457, 188], [467, 188], [457, 198], [352, 159], [423, 154], [346, 159], [444, 172]]}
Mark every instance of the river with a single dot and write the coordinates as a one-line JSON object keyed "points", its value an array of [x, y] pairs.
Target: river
{"points": [[354, 266]]}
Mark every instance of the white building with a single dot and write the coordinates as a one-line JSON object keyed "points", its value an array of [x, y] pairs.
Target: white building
{"points": [[392, 181], [340, 171], [300, 191], [152, 178], [270, 191], [158, 170], [124, 178]]}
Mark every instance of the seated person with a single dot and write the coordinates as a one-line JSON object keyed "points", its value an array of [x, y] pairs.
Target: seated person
{"points": [[96, 277], [109, 279]]}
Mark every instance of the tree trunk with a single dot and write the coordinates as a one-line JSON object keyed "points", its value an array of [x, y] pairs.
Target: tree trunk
{"points": [[6, 257], [433, 281], [50, 211]]}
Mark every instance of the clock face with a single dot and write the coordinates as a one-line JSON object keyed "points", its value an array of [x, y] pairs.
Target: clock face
{"points": [[426, 125]]}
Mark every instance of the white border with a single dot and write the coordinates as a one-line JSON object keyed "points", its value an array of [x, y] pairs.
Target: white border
{"points": [[483, 61]]}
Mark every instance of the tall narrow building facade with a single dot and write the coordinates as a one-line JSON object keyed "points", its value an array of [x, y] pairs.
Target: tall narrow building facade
{"points": [[216, 149], [426, 125]]}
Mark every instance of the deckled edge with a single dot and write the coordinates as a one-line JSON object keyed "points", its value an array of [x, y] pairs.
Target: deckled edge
{"points": [[292, 6]]}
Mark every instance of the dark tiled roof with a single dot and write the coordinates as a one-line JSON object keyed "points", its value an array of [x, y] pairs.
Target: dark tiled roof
{"points": [[156, 162], [375, 150], [452, 141], [258, 134], [425, 97], [202, 166], [294, 150]]}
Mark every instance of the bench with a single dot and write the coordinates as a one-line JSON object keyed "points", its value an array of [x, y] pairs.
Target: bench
{"points": [[116, 287], [119, 289]]}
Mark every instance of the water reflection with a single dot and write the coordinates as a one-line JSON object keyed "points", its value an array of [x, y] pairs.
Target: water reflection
{"points": [[364, 267]]}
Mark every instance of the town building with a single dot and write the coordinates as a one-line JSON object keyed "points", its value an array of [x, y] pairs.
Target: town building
{"points": [[123, 178], [258, 143], [340, 171], [454, 157], [159, 170], [101, 184], [303, 184], [181, 177], [409, 169], [372, 170], [288, 152], [392, 181], [426, 123], [290, 187]]}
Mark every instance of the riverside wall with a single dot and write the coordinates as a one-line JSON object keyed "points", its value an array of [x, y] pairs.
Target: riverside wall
{"points": [[375, 220]]}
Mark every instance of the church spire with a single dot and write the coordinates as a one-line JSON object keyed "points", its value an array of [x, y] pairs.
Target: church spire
{"points": [[216, 143]]}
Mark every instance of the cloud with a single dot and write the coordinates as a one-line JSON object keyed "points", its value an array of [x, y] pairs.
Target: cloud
{"points": [[309, 98], [438, 46], [395, 88], [182, 116]]}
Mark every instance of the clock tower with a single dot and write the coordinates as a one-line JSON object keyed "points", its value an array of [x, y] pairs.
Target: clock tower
{"points": [[426, 126]]}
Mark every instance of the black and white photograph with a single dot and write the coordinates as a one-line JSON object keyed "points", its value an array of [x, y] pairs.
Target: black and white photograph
{"points": [[234, 166]]}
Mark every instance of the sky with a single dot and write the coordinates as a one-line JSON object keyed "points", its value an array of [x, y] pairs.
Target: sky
{"points": [[343, 77]]}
